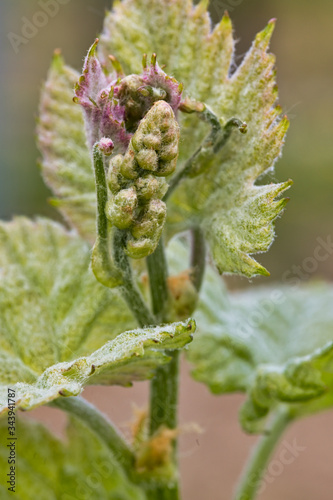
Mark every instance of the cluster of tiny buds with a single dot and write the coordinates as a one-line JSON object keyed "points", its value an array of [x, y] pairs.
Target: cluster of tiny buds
{"points": [[137, 182]]}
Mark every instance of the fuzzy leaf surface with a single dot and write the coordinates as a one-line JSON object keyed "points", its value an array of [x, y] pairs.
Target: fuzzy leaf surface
{"points": [[275, 344], [236, 214], [66, 163], [51, 469], [59, 328]]}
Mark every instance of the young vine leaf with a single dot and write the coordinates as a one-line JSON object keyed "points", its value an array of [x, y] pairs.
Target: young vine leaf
{"points": [[273, 343], [236, 215], [220, 193], [60, 329], [80, 467]]}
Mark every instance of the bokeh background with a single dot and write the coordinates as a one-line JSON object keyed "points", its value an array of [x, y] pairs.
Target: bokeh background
{"points": [[303, 44]]}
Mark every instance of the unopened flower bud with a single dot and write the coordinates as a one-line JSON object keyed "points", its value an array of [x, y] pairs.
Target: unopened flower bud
{"points": [[138, 249], [149, 187], [153, 141], [136, 180], [129, 166], [121, 209], [156, 94], [191, 106], [147, 159], [106, 146], [115, 179], [169, 152], [155, 144], [153, 218]]}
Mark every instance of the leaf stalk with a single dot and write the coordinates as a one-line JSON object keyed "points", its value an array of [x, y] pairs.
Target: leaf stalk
{"points": [[254, 470]]}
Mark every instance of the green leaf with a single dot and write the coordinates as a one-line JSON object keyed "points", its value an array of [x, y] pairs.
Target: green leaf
{"points": [[191, 52], [237, 215], [66, 164], [57, 322], [184, 45], [50, 469], [273, 343]]}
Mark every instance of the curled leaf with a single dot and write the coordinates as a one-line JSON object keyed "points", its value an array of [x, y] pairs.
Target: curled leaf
{"points": [[104, 115], [58, 322]]}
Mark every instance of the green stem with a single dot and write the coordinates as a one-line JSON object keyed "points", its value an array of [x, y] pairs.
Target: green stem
{"points": [[101, 262], [129, 289], [101, 193], [250, 480], [215, 140], [100, 424], [163, 411], [119, 272], [164, 386], [198, 257], [208, 116], [164, 395], [158, 276], [226, 132]]}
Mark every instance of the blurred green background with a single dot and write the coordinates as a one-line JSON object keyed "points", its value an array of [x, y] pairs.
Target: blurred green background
{"points": [[304, 49]]}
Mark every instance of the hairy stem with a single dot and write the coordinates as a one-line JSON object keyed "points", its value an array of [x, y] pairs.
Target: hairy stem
{"points": [[101, 192], [100, 424], [198, 257], [164, 395], [163, 412], [115, 272], [163, 400], [101, 263], [215, 140], [158, 275], [129, 289], [164, 386], [226, 132], [182, 173], [250, 480]]}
